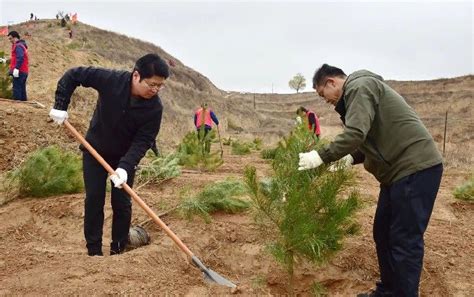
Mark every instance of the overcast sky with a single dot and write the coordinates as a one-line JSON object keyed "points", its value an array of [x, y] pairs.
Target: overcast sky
{"points": [[256, 45]]}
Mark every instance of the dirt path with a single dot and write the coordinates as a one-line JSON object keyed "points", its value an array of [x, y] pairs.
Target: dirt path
{"points": [[43, 247]]}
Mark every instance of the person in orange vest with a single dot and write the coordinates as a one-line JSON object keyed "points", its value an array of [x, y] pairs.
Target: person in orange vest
{"points": [[313, 121], [203, 118], [18, 65]]}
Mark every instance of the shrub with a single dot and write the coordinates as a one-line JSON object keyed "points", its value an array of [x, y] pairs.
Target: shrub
{"points": [[46, 172], [219, 196], [466, 190]]}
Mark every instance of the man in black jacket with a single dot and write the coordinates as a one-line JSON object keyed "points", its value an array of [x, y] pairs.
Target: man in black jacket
{"points": [[124, 126]]}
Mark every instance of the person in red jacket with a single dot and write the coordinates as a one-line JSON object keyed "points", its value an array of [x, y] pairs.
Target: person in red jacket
{"points": [[18, 65], [203, 118], [313, 121]]}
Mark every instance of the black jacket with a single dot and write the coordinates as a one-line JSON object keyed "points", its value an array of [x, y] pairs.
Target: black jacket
{"points": [[122, 127]]}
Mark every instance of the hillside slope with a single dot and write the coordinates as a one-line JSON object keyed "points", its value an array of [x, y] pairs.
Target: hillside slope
{"points": [[268, 116], [42, 242]]}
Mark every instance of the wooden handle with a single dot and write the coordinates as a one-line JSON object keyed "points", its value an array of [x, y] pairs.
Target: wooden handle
{"points": [[129, 190]]}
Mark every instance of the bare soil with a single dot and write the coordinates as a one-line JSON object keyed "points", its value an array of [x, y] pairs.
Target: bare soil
{"points": [[43, 249]]}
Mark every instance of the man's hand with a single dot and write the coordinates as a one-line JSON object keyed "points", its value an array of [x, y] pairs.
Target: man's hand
{"points": [[58, 116], [344, 162], [309, 160], [119, 178], [16, 72], [3, 60]]}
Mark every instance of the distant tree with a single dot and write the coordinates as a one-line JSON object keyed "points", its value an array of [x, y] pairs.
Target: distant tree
{"points": [[298, 82]]}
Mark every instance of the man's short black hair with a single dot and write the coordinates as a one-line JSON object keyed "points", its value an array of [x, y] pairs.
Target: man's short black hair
{"points": [[301, 109], [14, 34], [326, 71], [150, 65]]}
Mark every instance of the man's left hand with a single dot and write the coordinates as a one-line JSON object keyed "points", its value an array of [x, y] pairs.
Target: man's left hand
{"points": [[16, 72], [119, 178], [344, 163]]}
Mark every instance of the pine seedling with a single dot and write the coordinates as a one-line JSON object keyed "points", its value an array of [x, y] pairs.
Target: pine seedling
{"points": [[226, 196], [46, 172], [466, 190], [306, 208], [5, 79], [158, 169], [192, 153]]}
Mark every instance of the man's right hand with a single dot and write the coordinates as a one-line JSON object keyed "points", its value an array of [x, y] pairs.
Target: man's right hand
{"points": [[3, 60], [58, 116]]}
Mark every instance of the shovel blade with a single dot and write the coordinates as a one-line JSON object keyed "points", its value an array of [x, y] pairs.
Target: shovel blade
{"points": [[212, 276]]}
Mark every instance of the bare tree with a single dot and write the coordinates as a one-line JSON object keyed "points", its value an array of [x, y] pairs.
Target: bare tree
{"points": [[298, 82]]}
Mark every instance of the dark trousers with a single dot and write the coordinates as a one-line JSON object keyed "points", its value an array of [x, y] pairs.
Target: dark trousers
{"points": [[403, 211], [95, 177], [204, 139], [19, 87]]}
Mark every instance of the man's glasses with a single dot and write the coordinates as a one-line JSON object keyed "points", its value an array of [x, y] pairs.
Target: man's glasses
{"points": [[321, 93], [153, 86]]}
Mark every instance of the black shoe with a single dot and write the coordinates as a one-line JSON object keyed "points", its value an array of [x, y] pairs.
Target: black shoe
{"points": [[374, 294], [117, 248], [95, 253]]}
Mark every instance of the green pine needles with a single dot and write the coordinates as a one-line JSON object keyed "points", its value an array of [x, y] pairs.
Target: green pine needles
{"points": [[158, 169], [466, 190], [46, 172], [193, 152], [226, 196], [5, 79], [310, 210], [243, 148]]}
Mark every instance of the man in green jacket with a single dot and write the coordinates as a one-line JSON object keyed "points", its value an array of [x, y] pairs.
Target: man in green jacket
{"points": [[384, 132]]}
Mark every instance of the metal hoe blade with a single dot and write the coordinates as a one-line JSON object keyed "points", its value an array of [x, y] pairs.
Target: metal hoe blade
{"points": [[212, 276]]}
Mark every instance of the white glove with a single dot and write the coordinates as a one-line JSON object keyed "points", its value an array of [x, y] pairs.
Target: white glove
{"points": [[298, 120], [3, 60], [16, 72], [343, 163], [58, 116], [119, 178], [309, 160]]}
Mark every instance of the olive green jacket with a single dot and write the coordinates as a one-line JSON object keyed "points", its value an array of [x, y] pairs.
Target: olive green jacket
{"points": [[383, 127]]}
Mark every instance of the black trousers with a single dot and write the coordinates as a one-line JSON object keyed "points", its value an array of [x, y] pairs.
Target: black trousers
{"points": [[95, 177], [403, 212]]}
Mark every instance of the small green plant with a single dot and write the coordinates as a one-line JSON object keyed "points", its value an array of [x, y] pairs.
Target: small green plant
{"points": [[223, 196], [240, 148], [46, 172], [193, 154], [227, 141], [257, 143], [268, 154], [5, 79], [158, 169], [306, 209], [466, 190]]}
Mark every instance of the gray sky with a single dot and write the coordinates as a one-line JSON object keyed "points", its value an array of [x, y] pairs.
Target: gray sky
{"points": [[250, 46]]}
